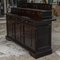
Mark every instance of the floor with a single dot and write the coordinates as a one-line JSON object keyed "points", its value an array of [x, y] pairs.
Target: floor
{"points": [[11, 51]]}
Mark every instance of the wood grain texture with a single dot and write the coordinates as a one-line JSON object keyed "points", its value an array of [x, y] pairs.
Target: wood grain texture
{"points": [[26, 27]]}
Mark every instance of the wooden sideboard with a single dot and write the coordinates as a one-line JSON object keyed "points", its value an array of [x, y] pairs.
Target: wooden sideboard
{"points": [[29, 28]]}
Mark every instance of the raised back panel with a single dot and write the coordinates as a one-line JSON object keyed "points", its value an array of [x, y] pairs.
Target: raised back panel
{"points": [[40, 6], [35, 14]]}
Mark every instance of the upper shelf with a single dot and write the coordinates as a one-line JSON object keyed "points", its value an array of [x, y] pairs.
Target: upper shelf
{"points": [[32, 13]]}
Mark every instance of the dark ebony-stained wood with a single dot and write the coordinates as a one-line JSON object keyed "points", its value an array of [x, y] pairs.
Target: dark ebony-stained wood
{"points": [[30, 29]]}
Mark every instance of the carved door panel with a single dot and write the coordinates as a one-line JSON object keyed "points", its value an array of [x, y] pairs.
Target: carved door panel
{"points": [[33, 31], [13, 30], [19, 32], [44, 37], [28, 35], [30, 32], [9, 27]]}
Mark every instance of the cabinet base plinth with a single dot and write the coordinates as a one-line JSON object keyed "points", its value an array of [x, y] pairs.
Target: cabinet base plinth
{"points": [[41, 54], [8, 38]]}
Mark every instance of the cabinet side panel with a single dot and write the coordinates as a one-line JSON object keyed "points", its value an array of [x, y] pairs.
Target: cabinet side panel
{"points": [[44, 37]]}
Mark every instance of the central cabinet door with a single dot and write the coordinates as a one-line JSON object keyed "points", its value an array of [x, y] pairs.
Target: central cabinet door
{"points": [[30, 33]]}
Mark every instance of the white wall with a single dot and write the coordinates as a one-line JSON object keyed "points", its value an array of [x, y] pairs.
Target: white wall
{"points": [[37, 1], [40, 1]]}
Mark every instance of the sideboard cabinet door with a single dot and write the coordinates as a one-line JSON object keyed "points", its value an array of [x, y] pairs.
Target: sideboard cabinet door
{"points": [[19, 32], [44, 37], [30, 36]]}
